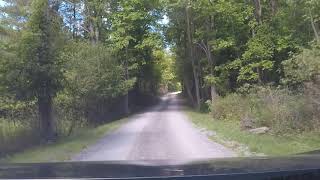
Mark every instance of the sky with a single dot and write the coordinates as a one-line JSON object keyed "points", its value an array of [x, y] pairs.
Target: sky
{"points": [[165, 20]]}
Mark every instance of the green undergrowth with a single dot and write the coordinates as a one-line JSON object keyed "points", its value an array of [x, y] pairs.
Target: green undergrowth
{"points": [[229, 134], [65, 148]]}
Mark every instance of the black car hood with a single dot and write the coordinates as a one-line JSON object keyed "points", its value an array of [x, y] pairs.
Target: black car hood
{"points": [[226, 168]]}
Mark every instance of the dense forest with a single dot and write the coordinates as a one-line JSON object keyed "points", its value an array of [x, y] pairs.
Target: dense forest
{"points": [[257, 62], [68, 64]]}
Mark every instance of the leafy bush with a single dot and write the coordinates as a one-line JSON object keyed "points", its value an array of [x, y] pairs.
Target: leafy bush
{"points": [[279, 109], [94, 79], [91, 70], [303, 67], [16, 135], [18, 124], [230, 107], [205, 106]]}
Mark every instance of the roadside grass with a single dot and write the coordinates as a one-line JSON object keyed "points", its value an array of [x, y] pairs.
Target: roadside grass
{"points": [[65, 148], [267, 144]]}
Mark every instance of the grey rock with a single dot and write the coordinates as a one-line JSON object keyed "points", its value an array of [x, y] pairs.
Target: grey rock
{"points": [[260, 130]]}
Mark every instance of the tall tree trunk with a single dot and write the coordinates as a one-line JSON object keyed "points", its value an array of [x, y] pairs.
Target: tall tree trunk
{"points": [[210, 27], [45, 116], [97, 32], [92, 32], [74, 20], [258, 14], [260, 74], [213, 91], [257, 10], [91, 28], [315, 30], [188, 89], [126, 97], [44, 92], [274, 6], [191, 49]]}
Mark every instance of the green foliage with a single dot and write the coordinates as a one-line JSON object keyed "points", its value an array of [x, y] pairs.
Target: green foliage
{"points": [[36, 66], [18, 125], [229, 134], [235, 48], [211, 80], [66, 148], [302, 67], [92, 76], [91, 70], [16, 135], [258, 56], [222, 46], [278, 109], [84, 81], [166, 64]]}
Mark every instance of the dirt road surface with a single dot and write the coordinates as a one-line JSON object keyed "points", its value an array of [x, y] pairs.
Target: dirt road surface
{"points": [[161, 133]]}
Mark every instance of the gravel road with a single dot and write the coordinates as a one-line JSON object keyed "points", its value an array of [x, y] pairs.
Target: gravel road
{"points": [[161, 133]]}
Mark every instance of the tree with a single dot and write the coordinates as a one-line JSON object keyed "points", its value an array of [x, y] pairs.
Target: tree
{"points": [[36, 73], [213, 36], [93, 79], [312, 8], [190, 45], [221, 45], [181, 33], [303, 67], [133, 41]]}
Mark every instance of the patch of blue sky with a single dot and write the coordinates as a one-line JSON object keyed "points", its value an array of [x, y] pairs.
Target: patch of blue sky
{"points": [[2, 3], [164, 20], [71, 20]]}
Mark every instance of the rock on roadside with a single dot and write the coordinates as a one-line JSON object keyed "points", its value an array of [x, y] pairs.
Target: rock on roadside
{"points": [[260, 130]]}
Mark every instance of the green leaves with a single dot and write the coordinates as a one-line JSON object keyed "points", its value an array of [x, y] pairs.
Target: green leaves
{"points": [[36, 66], [250, 72], [91, 71], [243, 48], [303, 67], [221, 44], [211, 80]]}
